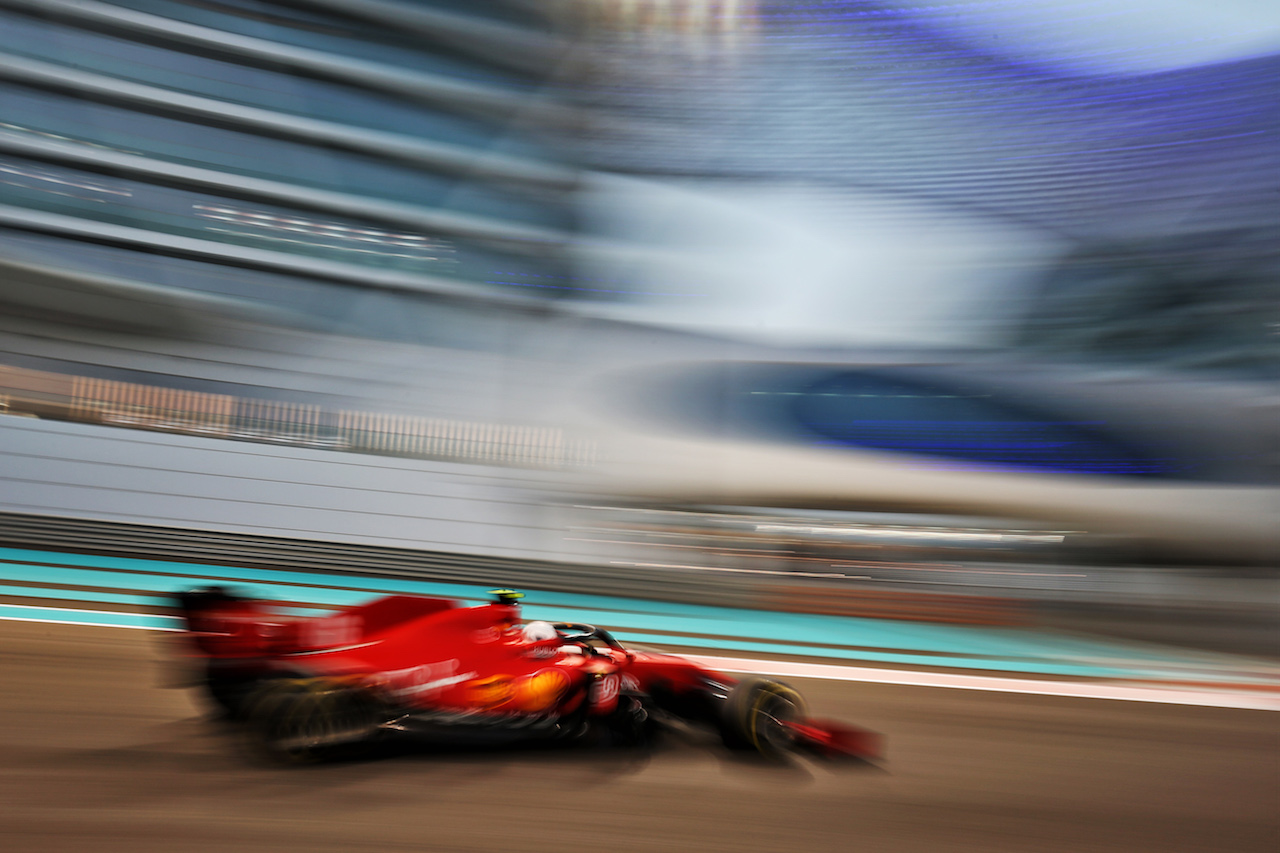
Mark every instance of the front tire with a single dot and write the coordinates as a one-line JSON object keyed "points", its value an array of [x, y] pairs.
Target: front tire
{"points": [[755, 715]]}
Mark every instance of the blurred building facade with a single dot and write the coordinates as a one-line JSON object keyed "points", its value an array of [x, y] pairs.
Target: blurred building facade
{"points": [[1056, 178], [290, 224], [323, 150], [433, 230], [272, 178], [793, 172]]}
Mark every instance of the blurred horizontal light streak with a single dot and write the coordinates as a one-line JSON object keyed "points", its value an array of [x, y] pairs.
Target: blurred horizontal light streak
{"points": [[263, 259], [512, 236], [487, 39], [477, 164], [45, 137], [710, 549], [896, 533], [437, 90], [339, 235], [51, 180], [967, 570], [231, 232], [733, 570]]}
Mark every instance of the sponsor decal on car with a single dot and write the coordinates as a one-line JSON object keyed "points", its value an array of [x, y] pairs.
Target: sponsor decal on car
{"points": [[541, 690], [342, 629], [490, 691], [542, 651], [425, 679], [604, 693]]}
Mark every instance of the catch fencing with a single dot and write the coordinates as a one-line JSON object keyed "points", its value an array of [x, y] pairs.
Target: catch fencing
{"points": [[136, 406]]}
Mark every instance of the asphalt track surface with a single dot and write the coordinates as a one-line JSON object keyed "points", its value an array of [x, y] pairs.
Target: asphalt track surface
{"points": [[96, 754]]}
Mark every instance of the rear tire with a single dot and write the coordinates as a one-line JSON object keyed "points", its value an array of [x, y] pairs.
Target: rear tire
{"points": [[227, 694], [306, 720]]}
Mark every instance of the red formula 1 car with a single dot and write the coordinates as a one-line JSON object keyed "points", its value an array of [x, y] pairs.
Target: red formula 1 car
{"points": [[409, 666]]}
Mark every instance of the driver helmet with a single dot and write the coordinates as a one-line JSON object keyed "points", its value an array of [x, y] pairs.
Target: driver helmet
{"points": [[536, 632]]}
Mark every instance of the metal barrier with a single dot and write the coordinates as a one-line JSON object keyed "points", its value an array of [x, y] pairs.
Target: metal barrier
{"points": [[710, 588], [200, 546]]}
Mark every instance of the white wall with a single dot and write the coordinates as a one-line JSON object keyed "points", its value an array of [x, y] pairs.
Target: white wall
{"points": [[797, 265], [111, 474]]}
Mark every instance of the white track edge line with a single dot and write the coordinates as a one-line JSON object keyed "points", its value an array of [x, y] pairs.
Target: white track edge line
{"points": [[1217, 698], [83, 624]]}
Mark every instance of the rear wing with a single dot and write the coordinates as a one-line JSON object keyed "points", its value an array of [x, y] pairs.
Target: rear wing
{"points": [[222, 624]]}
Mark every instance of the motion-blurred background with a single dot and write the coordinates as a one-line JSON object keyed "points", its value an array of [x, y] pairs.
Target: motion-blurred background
{"points": [[944, 310]]}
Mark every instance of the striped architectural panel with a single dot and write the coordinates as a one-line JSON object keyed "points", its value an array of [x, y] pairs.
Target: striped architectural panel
{"points": [[127, 404]]}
